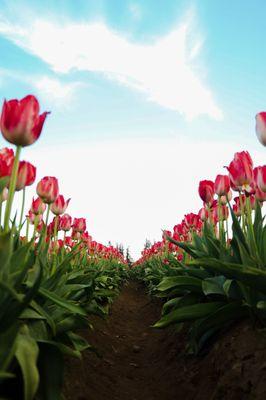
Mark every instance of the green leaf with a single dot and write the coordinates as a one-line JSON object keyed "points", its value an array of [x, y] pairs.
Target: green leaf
{"points": [[61, 302], [51, 368], [188, 313], [251, 276], [27, 354], [180, 282], [213, 285]]}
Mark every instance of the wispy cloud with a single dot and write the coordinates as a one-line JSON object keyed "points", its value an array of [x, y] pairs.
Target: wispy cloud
{"points": [[166, 71], [58, 93], [53, 90]]}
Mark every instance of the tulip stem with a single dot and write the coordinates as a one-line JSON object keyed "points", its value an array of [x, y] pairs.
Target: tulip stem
{"points": [[45, 227], [55, 242], [22, 209], [12, 187], [27, 229], [1, 208]]}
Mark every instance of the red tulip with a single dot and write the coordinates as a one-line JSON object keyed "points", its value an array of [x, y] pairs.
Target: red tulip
{"points": [[191, 220], [220, 213], [65, 223], [26, 175], [260, 177], [260, 195], [21, 123], [34, 218], [7, 155], [206, 191], [261, 127], [222, 185], [203, 214], [237, 209], [79, 225], [59, 206], [241, 171], [37, 206], [47, 189]]}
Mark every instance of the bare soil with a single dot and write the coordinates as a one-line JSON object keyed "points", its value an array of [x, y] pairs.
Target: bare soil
{"points": [[140, 363]]}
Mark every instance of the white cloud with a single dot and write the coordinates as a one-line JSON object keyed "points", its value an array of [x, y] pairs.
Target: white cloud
{"points": [[131, 189], [54, 91], [166, 71]]}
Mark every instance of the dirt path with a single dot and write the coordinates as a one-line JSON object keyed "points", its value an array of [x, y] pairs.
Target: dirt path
{"points": [[140, 363]]}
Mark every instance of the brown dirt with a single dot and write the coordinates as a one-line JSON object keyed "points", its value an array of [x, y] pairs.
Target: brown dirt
{"points": [[141, 363]]}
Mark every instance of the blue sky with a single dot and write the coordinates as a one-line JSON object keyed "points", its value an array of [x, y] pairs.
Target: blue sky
{"points": [[114, 71]]}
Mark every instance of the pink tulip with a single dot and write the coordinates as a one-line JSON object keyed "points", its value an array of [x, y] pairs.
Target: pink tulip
{"points": [[261, 127], [21, 123], [241, 171], [206, 191], [47, 189], [222, 185], [26, 175], [37, 206], [79, 225], [65, 223], [59, 206], [260, 177]]}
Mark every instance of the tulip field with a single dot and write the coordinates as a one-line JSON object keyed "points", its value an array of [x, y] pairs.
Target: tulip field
{"points": [[205, 278]]}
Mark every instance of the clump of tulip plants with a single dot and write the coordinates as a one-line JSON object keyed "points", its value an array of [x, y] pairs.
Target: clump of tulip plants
{"points": [[211, 269], [51, 277]]}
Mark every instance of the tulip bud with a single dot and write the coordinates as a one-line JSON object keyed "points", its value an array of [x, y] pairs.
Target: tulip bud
{"points": [[79, 225], [21, 123], [222, 185], [26, 175], [65, 223], [203, 214], [260, 177], [59, 206], [241, 171], [37, 206], [206, 191], [47, 189], [260, 195], [261, 127], [33, 218]]}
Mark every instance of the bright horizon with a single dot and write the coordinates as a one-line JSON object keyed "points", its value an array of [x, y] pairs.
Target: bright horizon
{"points": [[146, 101]]}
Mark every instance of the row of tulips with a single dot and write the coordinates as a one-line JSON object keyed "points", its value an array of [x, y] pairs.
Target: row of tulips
{"points": [[211, 269], [52, 276]]}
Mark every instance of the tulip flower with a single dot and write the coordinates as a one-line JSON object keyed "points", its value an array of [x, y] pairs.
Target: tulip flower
{"points": [[228, 197], [203, 214], [260, 177], [206, 191], [65, 223], [220, 213], [33, 218], [37, 206], [7, 155], [79, 225], [237, 209], [21, 123], [26, 175], [59, 206], [241, 171], [222, 185], [260, 195], [261, 127], [47, 189]]}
